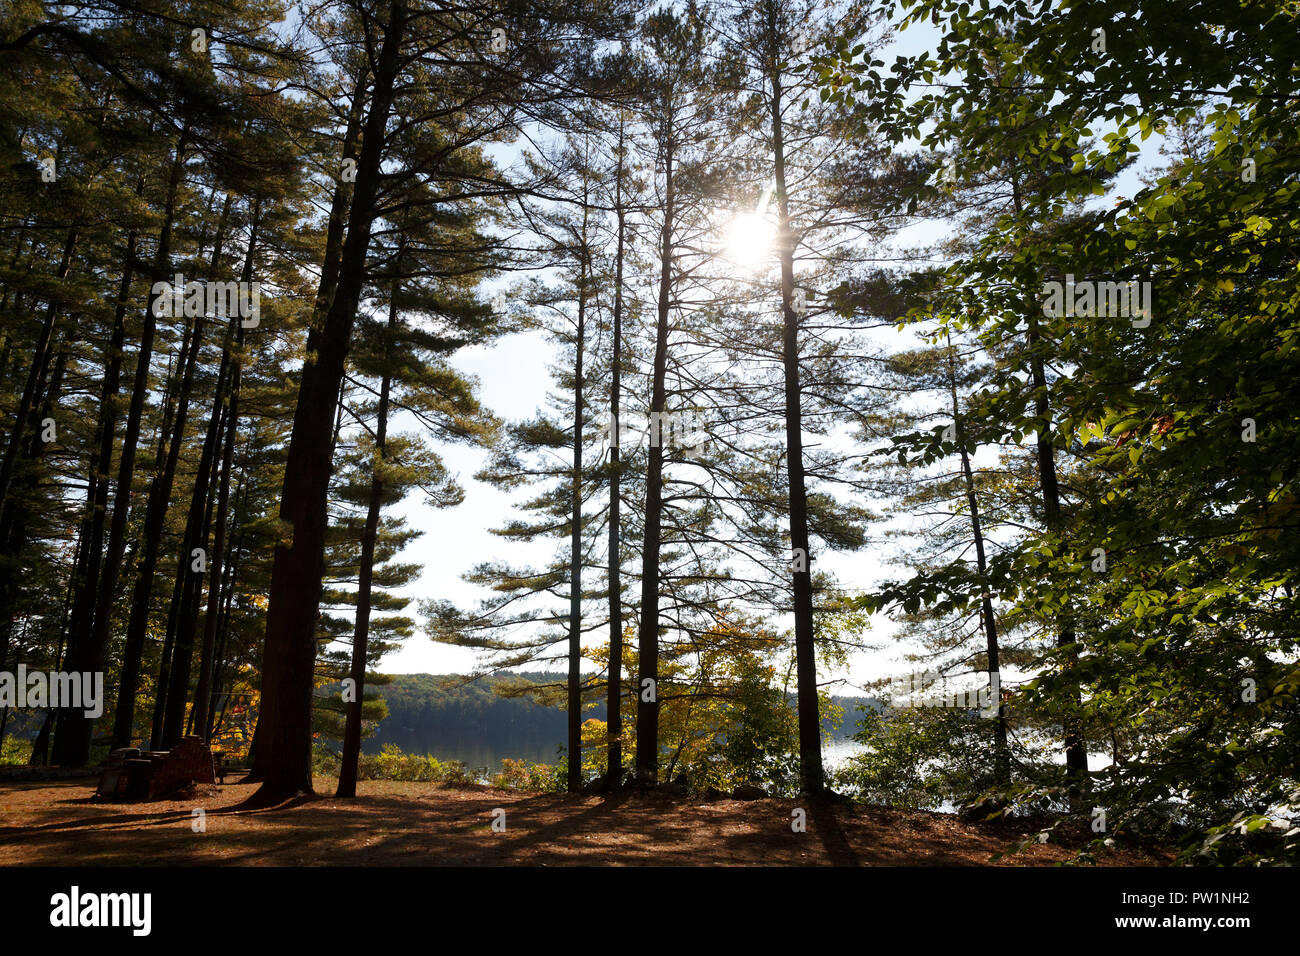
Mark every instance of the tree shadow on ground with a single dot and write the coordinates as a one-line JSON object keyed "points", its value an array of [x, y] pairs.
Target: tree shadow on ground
{"points": [[397, 824]]}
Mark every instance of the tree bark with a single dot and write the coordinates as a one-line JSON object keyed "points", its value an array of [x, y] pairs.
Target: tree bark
{"points": [[1001, 750], [575, 537], [160, 493], [35, 376], [366, 572], [298, 569], [206, 659], [810, 732], [156, 507], [178, 648], [230, 576], [614, 695], [72, 741], [93, 525], [183, 653], [16, 513], [1076, 753], [647, 689]]}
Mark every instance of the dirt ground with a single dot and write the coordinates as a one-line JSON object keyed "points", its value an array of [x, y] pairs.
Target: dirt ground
{"points": [[423, 824]]}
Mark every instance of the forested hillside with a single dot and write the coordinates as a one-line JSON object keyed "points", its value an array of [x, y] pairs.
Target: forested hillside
{"points": [[450, 719]]}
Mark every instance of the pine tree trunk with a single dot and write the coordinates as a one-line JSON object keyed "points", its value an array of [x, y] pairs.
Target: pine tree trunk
{"points": [[72, 740], [575, 538], [174, 674], [16, 513], [1075, 748], [24, 442], [647, 690], [340, 205], [203, 692], [41, 745], [207, 657], [230, 576], [298, 570], [178, 677], [93, 525], [1001, 750], [20, 246], [181, 610], [1076, 753], [614, 695], [40, 755], [366, 572], [35, 376], [156, 508], [160, 493], [810, 731]]}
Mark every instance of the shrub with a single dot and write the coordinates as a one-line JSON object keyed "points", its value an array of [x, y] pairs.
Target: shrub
{"points": [[919, 759], [526, 775], [15, 752], [392, 764]]}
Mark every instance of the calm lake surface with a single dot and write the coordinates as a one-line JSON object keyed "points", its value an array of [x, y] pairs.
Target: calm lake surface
{"points": [[477, 755]]}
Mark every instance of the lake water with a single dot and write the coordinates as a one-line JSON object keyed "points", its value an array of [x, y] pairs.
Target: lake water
{"points": [[478, 755], [837, 752]]}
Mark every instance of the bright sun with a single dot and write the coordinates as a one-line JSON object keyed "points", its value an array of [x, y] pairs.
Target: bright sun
{"points": [[750, 240]]}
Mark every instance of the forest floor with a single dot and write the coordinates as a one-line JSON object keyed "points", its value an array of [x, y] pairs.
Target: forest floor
{"points": [[421, 824]]}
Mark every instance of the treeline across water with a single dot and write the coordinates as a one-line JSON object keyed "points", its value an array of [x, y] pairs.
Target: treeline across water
{"points": [[449, 718]]}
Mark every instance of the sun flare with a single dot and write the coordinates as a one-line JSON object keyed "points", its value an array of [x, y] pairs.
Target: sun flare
{"points": [[749, 240]]}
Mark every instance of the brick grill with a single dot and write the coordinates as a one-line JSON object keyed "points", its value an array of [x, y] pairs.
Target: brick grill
{"points": [[134, 774]]}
